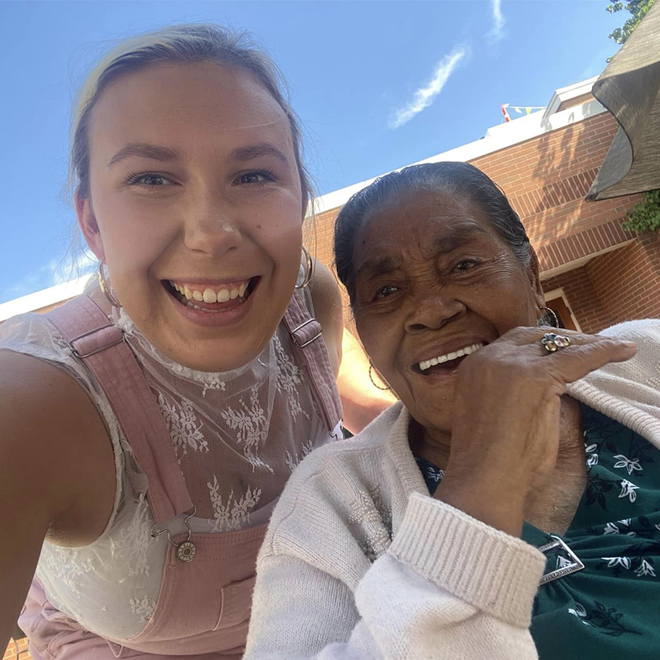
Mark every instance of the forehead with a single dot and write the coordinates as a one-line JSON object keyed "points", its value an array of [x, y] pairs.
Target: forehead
{"points": [[187, 105], [422, 219]]}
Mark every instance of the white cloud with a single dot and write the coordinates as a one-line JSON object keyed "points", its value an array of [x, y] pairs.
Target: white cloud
{"points": [[424, 96], [54, 272], [498, 20]]}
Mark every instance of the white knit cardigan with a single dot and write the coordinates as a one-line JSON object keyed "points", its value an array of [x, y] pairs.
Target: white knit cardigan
{"points": [[360, 563]]}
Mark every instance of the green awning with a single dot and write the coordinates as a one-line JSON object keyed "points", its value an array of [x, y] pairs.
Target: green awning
{"points": [[630, 89]]}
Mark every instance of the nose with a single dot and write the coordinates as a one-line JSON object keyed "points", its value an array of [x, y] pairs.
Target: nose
{"points": [[213, 228], [432, 311]]}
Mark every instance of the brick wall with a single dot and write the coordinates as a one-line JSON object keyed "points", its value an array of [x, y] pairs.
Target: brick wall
{"points": [[627, 280], [582, 298], [23, 653], [546, 179]]}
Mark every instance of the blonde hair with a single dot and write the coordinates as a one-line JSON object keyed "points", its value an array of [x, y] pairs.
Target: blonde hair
{"points": [[179, 43]]}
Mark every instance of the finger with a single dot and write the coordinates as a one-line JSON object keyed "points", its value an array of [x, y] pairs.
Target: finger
{"points": [[578, 360], [523, 335]]}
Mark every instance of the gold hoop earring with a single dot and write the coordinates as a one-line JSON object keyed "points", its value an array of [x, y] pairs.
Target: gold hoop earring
{"points": [[550, 313], [374, 383], [105, 289], [309, 270]]}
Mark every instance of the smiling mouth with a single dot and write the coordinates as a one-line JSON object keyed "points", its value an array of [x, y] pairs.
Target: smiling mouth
{"points": [[445, 364], [211, 298]]}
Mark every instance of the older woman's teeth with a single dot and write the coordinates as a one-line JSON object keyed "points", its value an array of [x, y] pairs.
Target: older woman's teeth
{"points": [[427, 364]]}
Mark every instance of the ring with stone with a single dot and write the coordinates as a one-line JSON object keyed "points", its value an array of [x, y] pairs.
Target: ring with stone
{"points": [[553, 342]]}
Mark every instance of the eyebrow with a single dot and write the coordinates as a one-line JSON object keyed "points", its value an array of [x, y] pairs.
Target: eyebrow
{"points": [[256, 151], [459, 235], [144, 150], [378, 266], [163, 154]]}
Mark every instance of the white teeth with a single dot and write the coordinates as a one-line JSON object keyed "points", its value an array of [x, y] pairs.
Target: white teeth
{"points": [[468, 350], [209, 296]]}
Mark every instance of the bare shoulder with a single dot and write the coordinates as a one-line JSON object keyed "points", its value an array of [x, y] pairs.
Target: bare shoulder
{"points": [[54, 449], [328, 310]]}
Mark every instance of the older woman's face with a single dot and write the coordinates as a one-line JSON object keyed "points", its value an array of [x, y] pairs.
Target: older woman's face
{"points": [[433, 277]]}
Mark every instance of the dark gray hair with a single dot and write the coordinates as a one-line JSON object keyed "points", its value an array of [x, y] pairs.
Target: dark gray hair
{"points": [[450, 178]]}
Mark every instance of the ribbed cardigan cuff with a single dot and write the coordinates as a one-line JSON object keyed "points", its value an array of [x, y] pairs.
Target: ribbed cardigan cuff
{"points": [[492, 571]]}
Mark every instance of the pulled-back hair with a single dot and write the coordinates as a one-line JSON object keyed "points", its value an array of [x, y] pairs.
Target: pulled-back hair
{"points": [[177, 44], [450, 178]]}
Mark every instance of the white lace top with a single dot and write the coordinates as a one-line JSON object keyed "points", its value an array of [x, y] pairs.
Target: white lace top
{"points": [[237, 436]]}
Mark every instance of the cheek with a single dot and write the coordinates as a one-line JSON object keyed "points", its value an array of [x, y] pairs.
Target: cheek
{"points": [[504, 296], [379, 337], [281, 243], [134, 235]]}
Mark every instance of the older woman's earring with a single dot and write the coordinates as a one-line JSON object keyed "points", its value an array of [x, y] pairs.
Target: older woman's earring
{"points": [[105, 289], [374, 383], [309, 269], [549, 314]]}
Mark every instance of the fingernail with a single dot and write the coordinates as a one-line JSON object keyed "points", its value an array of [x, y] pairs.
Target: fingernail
{"points": [[629, 344]]}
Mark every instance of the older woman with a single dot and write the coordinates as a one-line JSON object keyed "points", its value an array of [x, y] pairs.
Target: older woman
{"points": [[509, 506]]}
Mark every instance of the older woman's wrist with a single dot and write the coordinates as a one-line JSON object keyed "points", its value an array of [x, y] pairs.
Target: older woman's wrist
{"points": [[497, 573], [484, 499]]}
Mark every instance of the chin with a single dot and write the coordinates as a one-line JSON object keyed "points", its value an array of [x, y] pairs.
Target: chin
{"points": [[219, 358]]}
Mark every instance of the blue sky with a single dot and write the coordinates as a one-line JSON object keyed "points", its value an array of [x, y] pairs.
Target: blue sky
{"points": [[378, 85]]}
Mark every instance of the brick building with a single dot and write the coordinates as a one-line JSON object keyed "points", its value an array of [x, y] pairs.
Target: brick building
{"points": [[594, 273]]}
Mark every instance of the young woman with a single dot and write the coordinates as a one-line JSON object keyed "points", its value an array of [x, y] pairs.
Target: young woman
{"points": [[149, 426]]}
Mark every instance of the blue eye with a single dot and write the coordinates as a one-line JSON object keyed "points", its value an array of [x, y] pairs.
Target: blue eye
{"points": [[252, 178], [148, 180]]}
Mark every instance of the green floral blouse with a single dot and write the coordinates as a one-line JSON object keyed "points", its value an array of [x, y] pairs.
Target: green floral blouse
{"points": [[610, 609]]}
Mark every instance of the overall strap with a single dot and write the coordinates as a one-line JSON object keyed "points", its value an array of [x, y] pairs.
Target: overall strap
{"points": [[312, 354], [95, 340]]}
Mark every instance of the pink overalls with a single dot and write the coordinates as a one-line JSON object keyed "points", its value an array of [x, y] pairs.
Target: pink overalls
{"points": [[204, 604]]}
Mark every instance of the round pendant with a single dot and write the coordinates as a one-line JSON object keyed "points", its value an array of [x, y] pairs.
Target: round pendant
{"points": [[186, 551]]}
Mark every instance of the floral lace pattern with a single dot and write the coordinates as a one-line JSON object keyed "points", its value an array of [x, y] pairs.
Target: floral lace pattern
{"points": [[236, 436], [251, 425], [132, 543], [235, 514], [184, 427], [289, 378], [144, 608]]}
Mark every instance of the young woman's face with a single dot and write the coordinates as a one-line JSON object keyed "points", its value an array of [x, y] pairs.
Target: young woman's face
{"points": [[434, 277], [196, 207]]}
